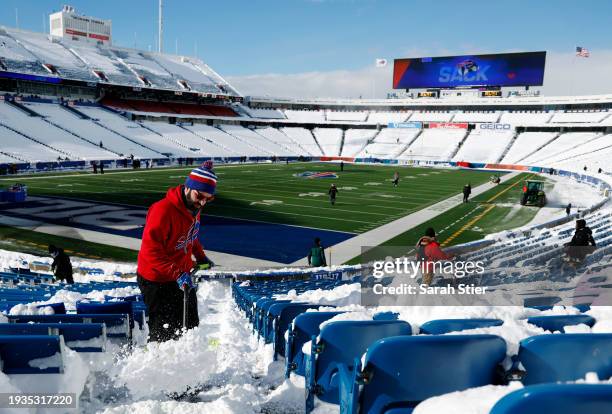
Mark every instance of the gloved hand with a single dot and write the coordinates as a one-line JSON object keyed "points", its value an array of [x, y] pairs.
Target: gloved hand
{"points": [[205, 264], [185, 280]]}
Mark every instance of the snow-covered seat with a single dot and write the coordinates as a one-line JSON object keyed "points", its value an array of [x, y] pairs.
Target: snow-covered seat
{"points": [[31, 354], [558, 399], [442, 326], [340, 343], [397, 373], [80, 337], [568, 357]]}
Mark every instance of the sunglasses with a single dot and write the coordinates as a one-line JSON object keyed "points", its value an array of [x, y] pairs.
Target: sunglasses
{"points": [[201, 196]]}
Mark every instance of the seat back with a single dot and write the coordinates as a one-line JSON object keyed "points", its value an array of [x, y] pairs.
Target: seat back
{"points": [[558, 399], [80, 337], [343, 341], [117, 326], [116, 308], [58, 308], [555, 323], [403, 371], [305, 326], [31, 354], [442, 326], [283, 316], [567, 357]]}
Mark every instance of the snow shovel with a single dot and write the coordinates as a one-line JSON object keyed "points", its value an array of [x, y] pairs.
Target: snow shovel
{"points": [[186, 300]]}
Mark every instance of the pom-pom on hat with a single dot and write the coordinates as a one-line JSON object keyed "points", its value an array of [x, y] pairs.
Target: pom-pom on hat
{"points": [[202, 179]]}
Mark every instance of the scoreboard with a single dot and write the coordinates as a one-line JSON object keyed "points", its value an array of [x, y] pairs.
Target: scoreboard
{"points": [[492, 70]]}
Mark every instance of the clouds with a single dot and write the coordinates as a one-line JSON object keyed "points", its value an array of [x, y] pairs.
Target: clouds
{"points": [[565, 75]]}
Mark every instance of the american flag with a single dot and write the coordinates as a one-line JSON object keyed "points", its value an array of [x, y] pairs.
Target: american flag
{"points": [[582, 52]]}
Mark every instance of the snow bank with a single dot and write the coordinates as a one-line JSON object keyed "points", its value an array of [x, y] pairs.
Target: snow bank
{"points": [[343, 295], [31, 309], [472, 401], [175, 366]]}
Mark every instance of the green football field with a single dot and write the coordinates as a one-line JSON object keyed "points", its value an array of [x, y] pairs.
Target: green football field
{"points": [[273, 193]]}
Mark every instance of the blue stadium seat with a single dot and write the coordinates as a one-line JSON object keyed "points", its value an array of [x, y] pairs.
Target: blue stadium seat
{"points": [[555, 323], [400, 372], [58, 308], [263, 321], [339, 343], [557, 399], [283, 314], [17, 351], [442, 326], [117, 326], [304, 327], [118, 308], [75, 334], [567, 357], [385, 316]]}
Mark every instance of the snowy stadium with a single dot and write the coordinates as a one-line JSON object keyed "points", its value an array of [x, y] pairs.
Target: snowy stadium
{"points": [[92, 134]]}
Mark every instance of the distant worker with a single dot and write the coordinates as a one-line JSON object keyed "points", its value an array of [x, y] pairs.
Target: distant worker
{"points": [[568, 209], [341, 165], [495, 179], [101, 144], [396, 178], [429, 251], [333, 191], [599, 171], [95, 167], [581, 244], [585, 168], [61, 266], [101, 167], [316, 255], [467, 190]]}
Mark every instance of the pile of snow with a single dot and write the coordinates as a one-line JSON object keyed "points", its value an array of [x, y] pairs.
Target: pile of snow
{"points": [[31, 309], [343, 295]]}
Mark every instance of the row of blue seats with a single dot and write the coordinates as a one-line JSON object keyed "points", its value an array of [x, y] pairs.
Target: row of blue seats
{"points": [[271, 317], [403, 370], [84, 331]]}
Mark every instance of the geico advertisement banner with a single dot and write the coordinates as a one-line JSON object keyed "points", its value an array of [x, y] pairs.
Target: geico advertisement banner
{"points": [[494, 127], [449, 125]]}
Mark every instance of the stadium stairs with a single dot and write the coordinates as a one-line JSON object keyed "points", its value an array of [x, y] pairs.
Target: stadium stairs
{"points": [[315, 140], [510, 144], [75, 111], [97, 122], [539, 148]]}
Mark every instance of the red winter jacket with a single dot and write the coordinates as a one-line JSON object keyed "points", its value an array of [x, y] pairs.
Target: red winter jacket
{"points": [[169, 239], [433, 252]]}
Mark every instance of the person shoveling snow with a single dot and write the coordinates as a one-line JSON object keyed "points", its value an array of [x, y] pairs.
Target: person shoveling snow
{"points": [[165, 263]]}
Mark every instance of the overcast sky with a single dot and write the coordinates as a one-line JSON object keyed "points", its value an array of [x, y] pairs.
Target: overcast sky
{"points": [[327, 48]]}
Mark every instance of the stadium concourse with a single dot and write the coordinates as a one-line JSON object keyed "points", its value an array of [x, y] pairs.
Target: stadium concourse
{"points": [[293, 339]]}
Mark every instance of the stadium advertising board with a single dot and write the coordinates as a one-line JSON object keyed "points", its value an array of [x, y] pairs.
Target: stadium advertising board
{"points": [[501, 69], [448, 125], [413, 124], [494, 127]]}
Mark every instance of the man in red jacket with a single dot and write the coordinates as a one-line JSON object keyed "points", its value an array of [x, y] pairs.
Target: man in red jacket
{"points": [[428, 250], [170, 241]]}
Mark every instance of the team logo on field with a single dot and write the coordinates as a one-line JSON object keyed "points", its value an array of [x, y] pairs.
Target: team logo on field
{"points": [[311, 174]]}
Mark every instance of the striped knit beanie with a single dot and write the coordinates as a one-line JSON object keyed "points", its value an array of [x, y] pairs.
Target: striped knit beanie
{"points": [[202, 179]]}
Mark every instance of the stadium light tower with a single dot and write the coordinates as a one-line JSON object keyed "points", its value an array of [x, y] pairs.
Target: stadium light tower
{"points": [[160, 26]]}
